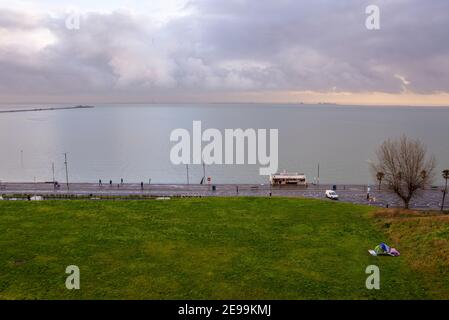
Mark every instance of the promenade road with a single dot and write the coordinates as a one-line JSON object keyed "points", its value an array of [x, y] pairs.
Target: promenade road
{"points": [[428, 199]]}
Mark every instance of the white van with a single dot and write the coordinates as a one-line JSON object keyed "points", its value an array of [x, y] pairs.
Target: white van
{"points": [[330, 194]]}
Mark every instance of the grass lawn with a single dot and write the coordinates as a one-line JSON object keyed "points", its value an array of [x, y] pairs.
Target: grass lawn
{"points": [[217, 248]]}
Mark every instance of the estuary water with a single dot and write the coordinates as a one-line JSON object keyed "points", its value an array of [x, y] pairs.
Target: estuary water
{"points": [[133, 141]]}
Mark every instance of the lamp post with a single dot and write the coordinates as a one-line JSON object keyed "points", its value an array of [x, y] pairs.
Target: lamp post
{"points": [[445, 177], [66, 171]]}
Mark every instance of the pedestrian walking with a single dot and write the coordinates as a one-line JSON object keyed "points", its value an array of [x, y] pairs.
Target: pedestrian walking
{"points": [[141, 185]]}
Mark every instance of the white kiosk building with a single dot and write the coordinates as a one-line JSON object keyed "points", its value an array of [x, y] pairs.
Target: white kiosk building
{"points": [[285, 178]]}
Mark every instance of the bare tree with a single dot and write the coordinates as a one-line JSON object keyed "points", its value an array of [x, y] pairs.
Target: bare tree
{"points": [[445, 177], [407, 168]]}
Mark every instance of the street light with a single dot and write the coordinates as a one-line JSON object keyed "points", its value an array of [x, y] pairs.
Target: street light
{"points": [[445, 177]]}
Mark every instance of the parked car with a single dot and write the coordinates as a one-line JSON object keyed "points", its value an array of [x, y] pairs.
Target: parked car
{"points": [[330, 194]]}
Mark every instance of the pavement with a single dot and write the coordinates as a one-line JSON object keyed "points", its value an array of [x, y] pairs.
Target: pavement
{"points": [[427, 199]]}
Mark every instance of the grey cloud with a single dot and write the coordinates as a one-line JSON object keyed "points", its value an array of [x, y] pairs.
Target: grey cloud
{"points": [[319, 45]]}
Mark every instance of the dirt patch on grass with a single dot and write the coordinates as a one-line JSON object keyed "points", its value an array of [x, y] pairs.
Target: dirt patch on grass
{"points": [[423, 240]]}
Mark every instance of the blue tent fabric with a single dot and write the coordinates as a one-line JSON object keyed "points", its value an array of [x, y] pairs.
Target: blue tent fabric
{"points": [[384, 249]]}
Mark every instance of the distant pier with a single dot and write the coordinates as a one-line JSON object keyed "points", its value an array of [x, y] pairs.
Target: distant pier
{"points": [[45, 109]]}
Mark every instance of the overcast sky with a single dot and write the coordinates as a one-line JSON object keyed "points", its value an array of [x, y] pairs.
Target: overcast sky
{"points": [[224, 51]]}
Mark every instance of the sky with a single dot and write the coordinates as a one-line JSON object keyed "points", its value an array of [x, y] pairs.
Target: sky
{"points": [[284, 51]]}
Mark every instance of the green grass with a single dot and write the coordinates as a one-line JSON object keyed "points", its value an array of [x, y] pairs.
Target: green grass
{"points": [[217, 248]]}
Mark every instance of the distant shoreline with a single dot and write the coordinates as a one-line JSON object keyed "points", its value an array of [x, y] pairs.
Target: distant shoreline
{"points": [[45, 109], [293, 104]]}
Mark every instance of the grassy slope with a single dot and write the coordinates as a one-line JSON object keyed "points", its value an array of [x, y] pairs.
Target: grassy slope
{"points": [[425, 239], [227, 248]]}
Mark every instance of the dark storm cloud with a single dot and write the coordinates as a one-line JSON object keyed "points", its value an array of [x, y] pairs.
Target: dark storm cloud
{"points": [[319, 45]]}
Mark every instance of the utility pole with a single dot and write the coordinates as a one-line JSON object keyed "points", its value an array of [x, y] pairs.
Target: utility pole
{"points": [[66, 171], [188, 179], [204, 171], [53, 171], [318, 179]]}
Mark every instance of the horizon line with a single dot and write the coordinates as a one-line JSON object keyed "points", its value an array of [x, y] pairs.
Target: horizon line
{"points": [[233, 103]]}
